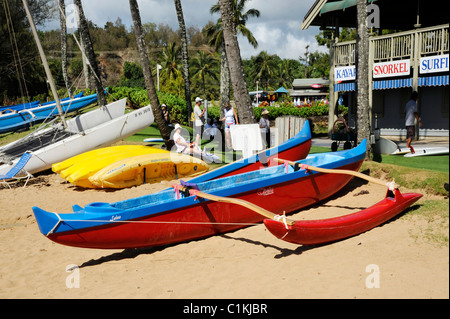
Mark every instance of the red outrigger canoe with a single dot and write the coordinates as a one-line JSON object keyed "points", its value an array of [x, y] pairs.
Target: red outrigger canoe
{"points": [[169, 217], [309, 232]]}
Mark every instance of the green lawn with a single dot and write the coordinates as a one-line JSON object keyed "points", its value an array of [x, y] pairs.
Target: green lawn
{"points": [[433, 162]]}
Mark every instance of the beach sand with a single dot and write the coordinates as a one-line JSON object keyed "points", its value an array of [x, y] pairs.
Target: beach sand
{"points": [[390, 261]]}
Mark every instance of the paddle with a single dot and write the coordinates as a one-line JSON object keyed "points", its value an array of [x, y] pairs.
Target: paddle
{"points": [[391, 185]]}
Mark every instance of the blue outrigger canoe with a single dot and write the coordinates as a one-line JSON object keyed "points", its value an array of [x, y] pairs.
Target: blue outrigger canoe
{"points": [[24, 118], [19, 107], [169, 217]]}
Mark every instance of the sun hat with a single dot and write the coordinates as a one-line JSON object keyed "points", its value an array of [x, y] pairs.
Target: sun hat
{"points": [[177, 126], [265, 112]]}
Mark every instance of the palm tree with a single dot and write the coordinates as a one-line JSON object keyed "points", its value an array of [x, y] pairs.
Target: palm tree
{"points": [[285, 72], [265, 67], [64, 62], [362, 79], [184, 57], [89, 51], [215, 35], [149, 84], [170, 61], [240, 19], [230, 22], [204, 65]]}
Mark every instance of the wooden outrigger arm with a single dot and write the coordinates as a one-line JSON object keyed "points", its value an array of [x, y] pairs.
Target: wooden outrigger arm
{"points": [[268, 214], [391, 185], [241, 202]]}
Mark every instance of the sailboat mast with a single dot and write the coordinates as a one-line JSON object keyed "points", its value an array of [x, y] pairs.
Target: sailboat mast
{"points": [[44, 61]]}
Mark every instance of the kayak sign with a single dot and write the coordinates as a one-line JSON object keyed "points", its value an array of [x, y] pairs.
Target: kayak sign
{"points": [[345, 73]]}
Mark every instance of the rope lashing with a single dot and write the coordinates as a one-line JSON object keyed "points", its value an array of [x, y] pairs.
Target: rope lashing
{"points": [[56, 225], [282, 218], [286, 164], [176, 189]]}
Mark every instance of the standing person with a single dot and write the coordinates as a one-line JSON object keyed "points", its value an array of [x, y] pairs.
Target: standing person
{"points": [[264, 125], [230, 118], [166, 114], [198, 120], [411, 114]]}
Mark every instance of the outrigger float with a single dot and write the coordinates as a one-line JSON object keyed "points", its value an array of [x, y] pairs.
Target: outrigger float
{"points": [[217, 206]]}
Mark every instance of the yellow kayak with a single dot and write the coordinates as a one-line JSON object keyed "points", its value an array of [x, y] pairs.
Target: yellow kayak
{"points": [[58, 167], [78, 168], [150, 168]]}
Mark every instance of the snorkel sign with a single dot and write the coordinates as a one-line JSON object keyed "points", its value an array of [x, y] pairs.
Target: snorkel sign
{"points": [[391, 68]]}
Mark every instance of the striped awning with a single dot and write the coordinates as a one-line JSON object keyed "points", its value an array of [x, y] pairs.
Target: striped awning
{"points": [[433, 80], [348, 86], [397, 83], [392, 84]]}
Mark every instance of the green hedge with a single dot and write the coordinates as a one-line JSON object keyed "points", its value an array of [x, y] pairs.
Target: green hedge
{"points": [[138, 97]]}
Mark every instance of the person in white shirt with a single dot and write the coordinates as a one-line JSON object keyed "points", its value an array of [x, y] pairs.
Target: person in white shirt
{"points": [[264, 125], [411, 115], [230, 119], [198, 120], [181, 144]]}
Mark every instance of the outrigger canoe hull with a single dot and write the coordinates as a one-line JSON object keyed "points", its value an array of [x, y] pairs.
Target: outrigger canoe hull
{"points": [[310, 232], [165, 218]]}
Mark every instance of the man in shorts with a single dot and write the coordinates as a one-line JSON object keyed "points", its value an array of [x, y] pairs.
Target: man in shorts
{"points": [[411, 115], [198, 122]]}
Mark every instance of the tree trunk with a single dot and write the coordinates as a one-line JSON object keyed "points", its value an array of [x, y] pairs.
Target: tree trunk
{"points": [[362, 77], [89, 51], [64, 59], [224, 81], [149, 84], [184, 58], [240, 90], [86, 71]]}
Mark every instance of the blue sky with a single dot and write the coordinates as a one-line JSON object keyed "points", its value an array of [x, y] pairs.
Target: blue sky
{"points": [[277, 30]]}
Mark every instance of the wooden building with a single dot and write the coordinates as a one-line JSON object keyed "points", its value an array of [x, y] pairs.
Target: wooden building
{"points": [[414, 58]]}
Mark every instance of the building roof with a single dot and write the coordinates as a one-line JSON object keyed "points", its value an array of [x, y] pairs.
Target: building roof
{"points": [[394, 15], [310, 83]]}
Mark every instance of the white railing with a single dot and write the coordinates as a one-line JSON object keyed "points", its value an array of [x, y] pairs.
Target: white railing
{"points": [[396, 46]]}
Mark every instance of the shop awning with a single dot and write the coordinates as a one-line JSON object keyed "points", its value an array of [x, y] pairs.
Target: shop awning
{"points": [[377, 85], [392, 84], [348, 86], [437, 80], [281, 90], [340, 5], [433, 80]]}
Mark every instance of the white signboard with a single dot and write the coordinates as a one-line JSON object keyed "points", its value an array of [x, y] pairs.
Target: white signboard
{"points": [[391, 68], [432, 64], [246, 138], [345, 73]]}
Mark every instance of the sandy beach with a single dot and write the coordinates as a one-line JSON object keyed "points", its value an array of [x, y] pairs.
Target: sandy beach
{"points": [[390, 261]]}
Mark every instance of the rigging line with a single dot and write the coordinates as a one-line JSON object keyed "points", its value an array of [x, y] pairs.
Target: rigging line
{"points": [[15, 49], [156, 222], [78, 43]]}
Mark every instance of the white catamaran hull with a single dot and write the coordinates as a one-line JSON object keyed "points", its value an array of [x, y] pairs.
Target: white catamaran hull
{"points": [[94, 131]]}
